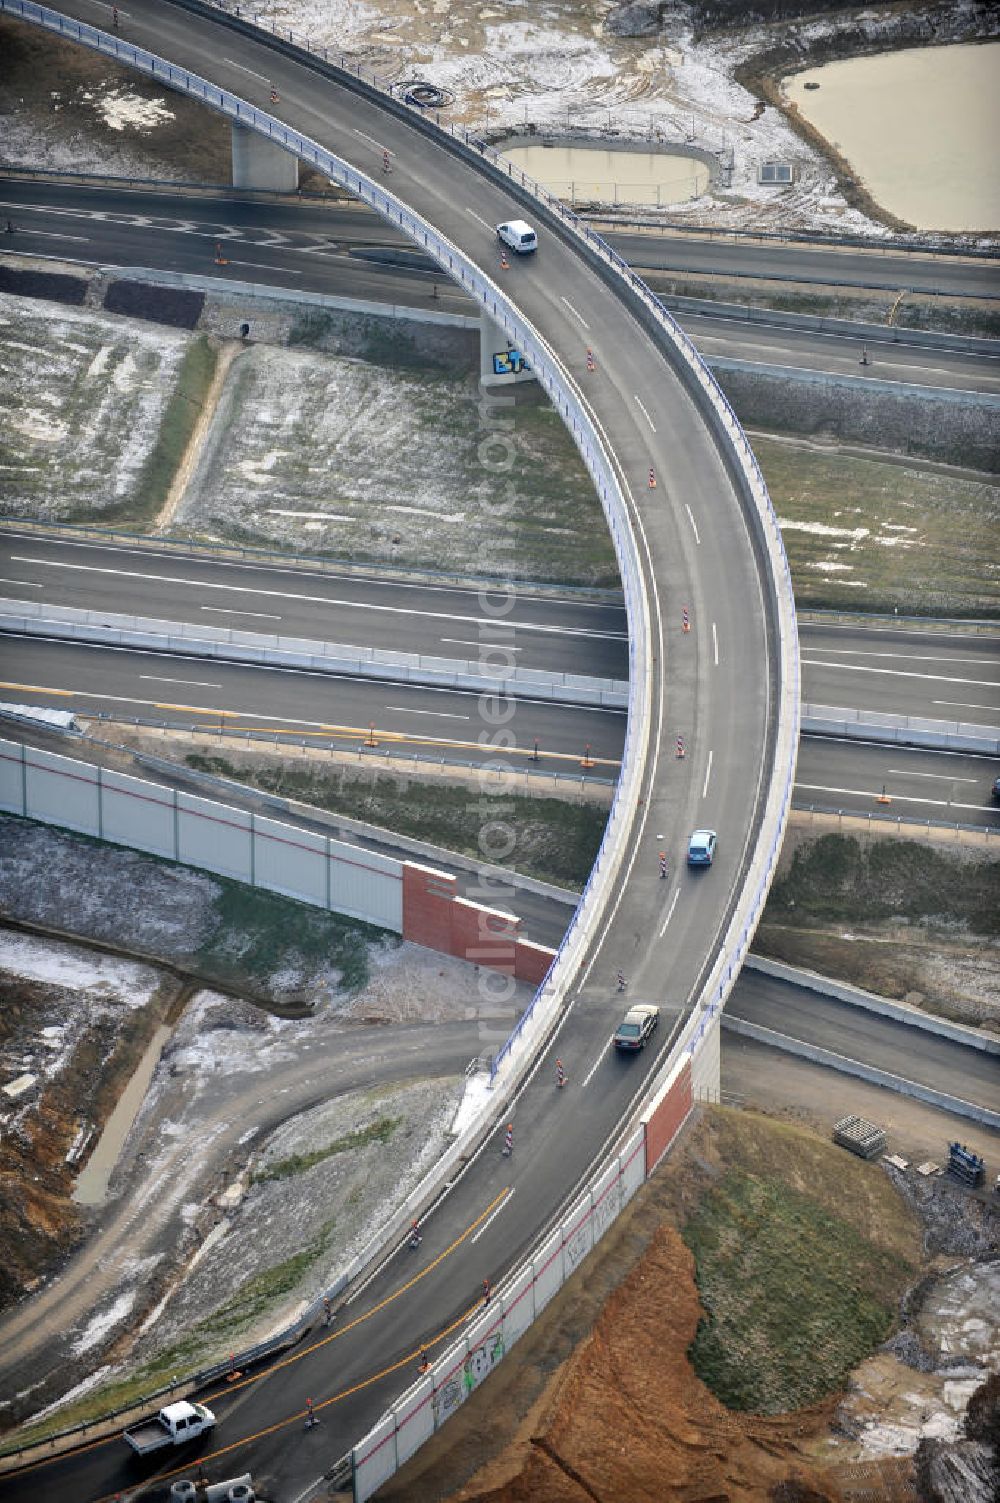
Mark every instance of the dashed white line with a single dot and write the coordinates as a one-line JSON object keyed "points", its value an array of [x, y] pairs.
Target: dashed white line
{"points": [[708, 774], [670, 913], [587, 1078], [490, 1219], [22, 584], [370, 139], [942, 678], [264, 266], [226, 610], [715, 645], [241, 69], [189, 683], [947, 776], [900, 798], [575, 312], [480, 219], [440, 714], [482, 644], [958, 704], [641, 406], [324, 600], [694, 525], [54, 235]]}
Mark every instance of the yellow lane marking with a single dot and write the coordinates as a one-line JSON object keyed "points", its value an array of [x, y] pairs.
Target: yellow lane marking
{"points": [[354, 732], [297, 1357]]}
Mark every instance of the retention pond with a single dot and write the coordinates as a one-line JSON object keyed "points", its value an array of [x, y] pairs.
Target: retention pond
{"points": [[919, 128]]}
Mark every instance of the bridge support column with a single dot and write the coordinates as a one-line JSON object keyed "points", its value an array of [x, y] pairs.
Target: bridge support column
{"points": [[500, 364], [706, 1067], [259, 163]]}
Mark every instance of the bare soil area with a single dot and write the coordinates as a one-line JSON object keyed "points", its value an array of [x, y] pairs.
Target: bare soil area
{"points": [[603, 1405]]}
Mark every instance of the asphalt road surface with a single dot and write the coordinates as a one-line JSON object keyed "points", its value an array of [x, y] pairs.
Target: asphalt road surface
{"points": [[321, 710], [910, 669], [897, 1048], [314, 225], [662, 934], [347, 251]]}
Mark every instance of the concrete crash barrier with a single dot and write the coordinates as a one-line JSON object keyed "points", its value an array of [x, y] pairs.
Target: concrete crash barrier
{"points": [[900, 1012], [901, 730], [226, 644], [898, 1083]]}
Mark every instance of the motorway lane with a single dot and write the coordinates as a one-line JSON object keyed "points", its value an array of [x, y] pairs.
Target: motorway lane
{"points": [[280, 244], [948, 787], [559, 634], [726, 702], [321, 708], [347, 225], [324, 710], [970, 1074], [906, 670]]}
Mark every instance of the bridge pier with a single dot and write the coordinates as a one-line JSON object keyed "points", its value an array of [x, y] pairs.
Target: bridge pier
{"points": [[500, 364], [259, 163]]}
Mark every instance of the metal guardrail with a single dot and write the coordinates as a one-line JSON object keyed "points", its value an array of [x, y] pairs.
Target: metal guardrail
{"points": [[568, 402]]}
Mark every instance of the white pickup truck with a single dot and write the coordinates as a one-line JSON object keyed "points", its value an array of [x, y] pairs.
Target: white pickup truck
{"points": [[173, 1426]]}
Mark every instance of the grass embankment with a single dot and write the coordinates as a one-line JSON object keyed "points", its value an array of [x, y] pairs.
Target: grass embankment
{"points": [[176, 427], [257, 934], [897, 917], [556, 841], [870, 534], [200, 1345], [802, 1254], [379, 1131]]}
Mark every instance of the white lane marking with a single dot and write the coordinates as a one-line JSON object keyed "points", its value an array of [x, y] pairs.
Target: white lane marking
{"points": [[715, 645], [959, 704], [370, 139], [325, 600], [942, 678], [587, 1078], [490, 1219], [371, 583], [264, 266], [575, 312], [22, 584], [483, 643], [440, 714], [694, 525], [53, 235], [947, 776], [860, 626], [642, 408], [670, 913], [227, 610], [481, 220], [905, 657], [189, 683], [708, 774], [899, 798], [241, 68]]}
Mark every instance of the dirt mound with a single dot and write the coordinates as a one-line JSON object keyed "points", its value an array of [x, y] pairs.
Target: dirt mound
{"points": [[629, 1420]]}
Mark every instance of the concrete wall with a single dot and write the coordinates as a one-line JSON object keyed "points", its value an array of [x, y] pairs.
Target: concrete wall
{"points": [[414, 900], [435, 916]]}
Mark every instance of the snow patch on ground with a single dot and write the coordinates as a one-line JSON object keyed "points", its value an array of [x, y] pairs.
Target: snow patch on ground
{"points": [[121, 982], [80, 414], [99, 1327]]}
